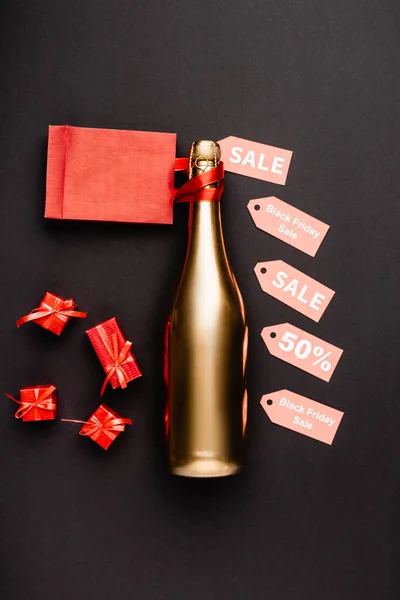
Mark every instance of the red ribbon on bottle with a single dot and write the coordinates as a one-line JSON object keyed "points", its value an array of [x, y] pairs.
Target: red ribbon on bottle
{"points": [[181, 164], [119, 359], [42, 401], [195, 189], [53, 305]]}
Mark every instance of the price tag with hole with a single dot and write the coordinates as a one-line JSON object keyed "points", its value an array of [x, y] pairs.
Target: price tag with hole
{"points": [[253, 159], [302, 350], [294, 288], [300, 414], [288, 223]]}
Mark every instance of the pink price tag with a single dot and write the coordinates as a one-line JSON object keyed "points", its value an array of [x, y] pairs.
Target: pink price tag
{"points": [[303, 415], [252, 159], [302, 350], [292, 287], [288, 223]]}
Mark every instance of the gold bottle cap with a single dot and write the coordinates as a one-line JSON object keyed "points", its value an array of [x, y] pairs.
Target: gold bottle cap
{"points": [[203, 155]]}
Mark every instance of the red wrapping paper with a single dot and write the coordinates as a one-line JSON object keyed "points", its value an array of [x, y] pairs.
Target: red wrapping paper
{"points": [[110, 175], [37, 403], [114, 352], [103, 426], [53, 313]]}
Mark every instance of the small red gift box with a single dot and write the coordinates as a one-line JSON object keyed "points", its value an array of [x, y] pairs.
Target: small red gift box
{"points": [[53, 313], [103, 426], [114, 352], [37, 403]]}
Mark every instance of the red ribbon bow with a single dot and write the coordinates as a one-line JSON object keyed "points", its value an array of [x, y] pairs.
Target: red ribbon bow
{"points": [[94, 428], [119, 358], [62, 308], [42, 400]]}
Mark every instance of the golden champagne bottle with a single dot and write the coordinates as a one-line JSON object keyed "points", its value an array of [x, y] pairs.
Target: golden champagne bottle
{"points": [[206, 346]]}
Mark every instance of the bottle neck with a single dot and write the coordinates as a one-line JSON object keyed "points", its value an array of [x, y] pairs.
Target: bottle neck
{"points": [[206, 249], [205, 225]]}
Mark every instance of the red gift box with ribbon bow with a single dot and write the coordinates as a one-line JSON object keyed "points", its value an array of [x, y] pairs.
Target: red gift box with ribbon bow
{"points": [[53, 313], [37, 403], [114, 352], [103, 426]]}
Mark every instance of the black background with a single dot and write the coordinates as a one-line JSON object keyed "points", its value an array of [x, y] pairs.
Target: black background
{"points": [[304, 520]]}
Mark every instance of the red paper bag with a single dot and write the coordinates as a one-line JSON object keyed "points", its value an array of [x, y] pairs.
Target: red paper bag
{"points": [[110, 175]]}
